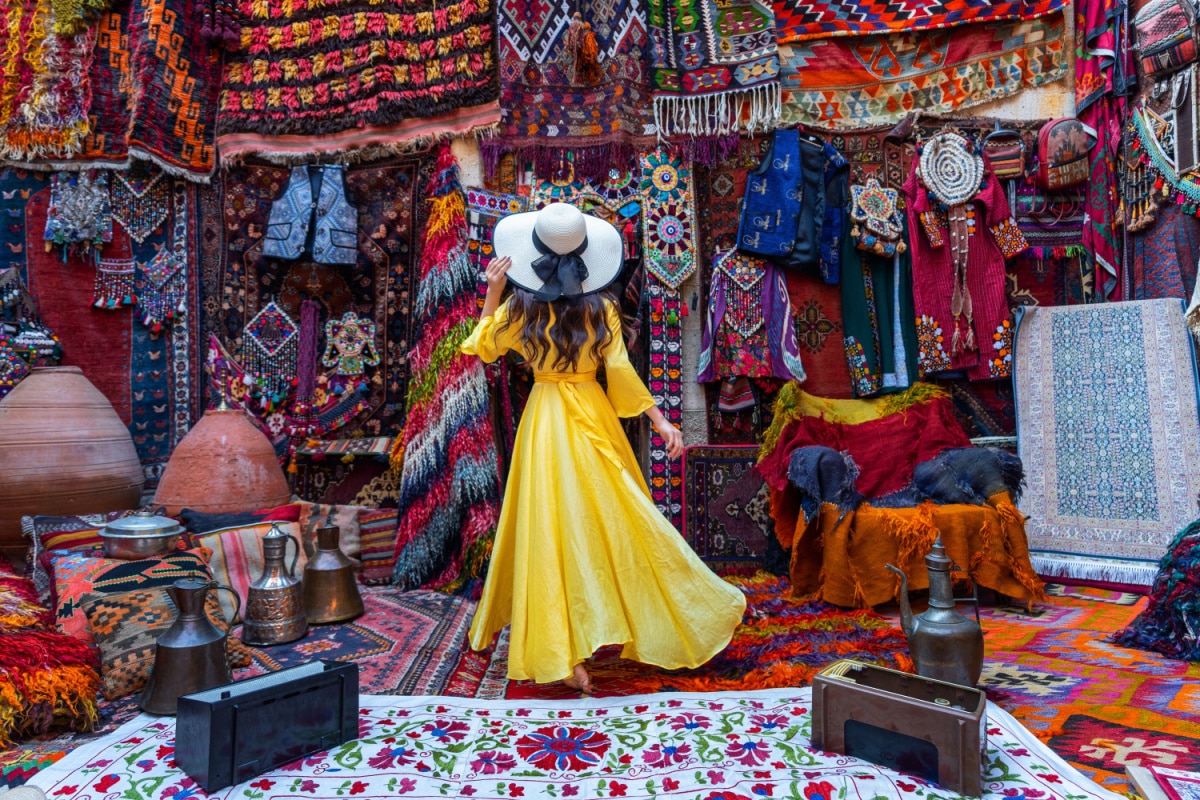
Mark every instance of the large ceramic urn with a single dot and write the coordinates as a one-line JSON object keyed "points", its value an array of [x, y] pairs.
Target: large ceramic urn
{"points": [[63, 451], [224, 464]]}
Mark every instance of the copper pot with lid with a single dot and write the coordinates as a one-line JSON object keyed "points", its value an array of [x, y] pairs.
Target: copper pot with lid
{"points": [[142, 535]]}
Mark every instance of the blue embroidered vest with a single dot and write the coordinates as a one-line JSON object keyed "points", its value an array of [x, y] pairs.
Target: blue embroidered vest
{"points": [[771, 207], [334, 237]]}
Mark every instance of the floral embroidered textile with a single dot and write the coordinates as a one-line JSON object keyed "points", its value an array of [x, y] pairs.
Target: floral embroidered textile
{"points": [[711, 746], [667, 222]]}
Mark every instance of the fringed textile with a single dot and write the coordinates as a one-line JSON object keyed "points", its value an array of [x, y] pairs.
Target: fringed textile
{"points": [[449, 486], [45, 89], [1169, 623], [798, 20], [715, 68]]}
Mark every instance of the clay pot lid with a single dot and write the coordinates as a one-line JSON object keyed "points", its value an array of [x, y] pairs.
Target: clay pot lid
{"points": [[141, 525]]}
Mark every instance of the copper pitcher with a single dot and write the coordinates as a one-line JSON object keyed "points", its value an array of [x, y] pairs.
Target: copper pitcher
{"points": [[944, 644], [330, 588], [275, 602], [190, 656]]}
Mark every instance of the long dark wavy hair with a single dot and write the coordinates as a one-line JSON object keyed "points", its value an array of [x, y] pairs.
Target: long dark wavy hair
{"points": [[575, 319]]}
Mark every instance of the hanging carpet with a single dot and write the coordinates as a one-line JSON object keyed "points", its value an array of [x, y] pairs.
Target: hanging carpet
{"points": [[548, 107], [797, 20], [860, 82], [1109, 433], [358, 67], [727, 515]]}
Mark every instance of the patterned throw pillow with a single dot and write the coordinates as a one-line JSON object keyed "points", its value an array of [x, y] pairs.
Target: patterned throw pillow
{"points": [[314, 515], [378, 529], [237, 559], [77, 578], [77, 534], [127, 626]]}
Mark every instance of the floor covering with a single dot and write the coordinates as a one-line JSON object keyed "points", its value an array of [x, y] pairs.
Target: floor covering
{"points": [[1098, 706]]}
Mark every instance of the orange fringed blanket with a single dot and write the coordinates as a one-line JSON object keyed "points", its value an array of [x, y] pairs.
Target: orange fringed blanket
{"points": [[47, 678], [839, 557]]}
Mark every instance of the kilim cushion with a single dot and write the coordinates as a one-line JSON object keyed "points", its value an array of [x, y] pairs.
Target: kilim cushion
{"points": [[79, 578], [378, 535], [75, 534], [237, 559], [126, 627]]}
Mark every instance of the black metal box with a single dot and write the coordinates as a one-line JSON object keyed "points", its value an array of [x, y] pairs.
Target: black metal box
{"points": [[230, 734]]}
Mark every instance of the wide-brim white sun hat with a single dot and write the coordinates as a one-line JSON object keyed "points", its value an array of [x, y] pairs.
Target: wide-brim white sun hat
{"points": [[551, 248]]}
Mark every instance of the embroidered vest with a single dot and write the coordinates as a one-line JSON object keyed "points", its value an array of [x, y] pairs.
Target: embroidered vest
{"points": [[771, 206], [335, 234]]}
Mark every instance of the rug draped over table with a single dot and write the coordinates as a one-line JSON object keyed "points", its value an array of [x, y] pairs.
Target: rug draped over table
{"points": [[716, 746], [358, 69], [859, 82], [1109, 433]]}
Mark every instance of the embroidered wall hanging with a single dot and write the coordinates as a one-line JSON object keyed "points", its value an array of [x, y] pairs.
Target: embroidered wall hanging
{"points": [[44, 83], [140, 202], [154, 84], [861, 82], [797, 20], [450, 483], [356, 66], [271, 345], [667, 222], [115, 274], [715, 67], [350, 345], [80, 215], [162, 285], [547, 111], [877, 223], [666, 386]]}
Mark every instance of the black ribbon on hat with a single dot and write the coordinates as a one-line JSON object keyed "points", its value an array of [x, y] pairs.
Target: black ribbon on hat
{"points": [[562, 273]]}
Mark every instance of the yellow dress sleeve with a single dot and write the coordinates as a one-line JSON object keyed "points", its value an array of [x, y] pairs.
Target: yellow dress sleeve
{"points": [[488, 341], [626, 391]]}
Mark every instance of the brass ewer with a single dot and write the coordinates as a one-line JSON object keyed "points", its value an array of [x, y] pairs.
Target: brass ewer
{"points": [[944, 644], [190, 656], [330, 589], [275, 602]]}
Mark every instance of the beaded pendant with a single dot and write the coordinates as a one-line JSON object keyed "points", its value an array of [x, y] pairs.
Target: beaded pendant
{"points": [[350, 344], [12, 367], [743, 296], [877, 225], [270, 349], [80, 215], [140, 205], [115, 284], [162, 284]]}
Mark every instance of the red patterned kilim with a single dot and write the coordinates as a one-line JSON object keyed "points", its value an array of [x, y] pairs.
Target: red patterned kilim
{"points": [[797, 20]]}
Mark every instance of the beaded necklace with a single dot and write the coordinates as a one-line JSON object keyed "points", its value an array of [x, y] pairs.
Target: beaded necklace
{"points": [[141, 206], [952, 172], [162, 290], [270, 348]]}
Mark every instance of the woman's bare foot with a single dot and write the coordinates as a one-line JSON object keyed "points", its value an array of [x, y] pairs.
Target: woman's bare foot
{"points": [[580, 681]]}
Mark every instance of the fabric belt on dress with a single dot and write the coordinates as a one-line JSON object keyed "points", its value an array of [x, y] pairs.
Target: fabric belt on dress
{"points": [[566, 382]]}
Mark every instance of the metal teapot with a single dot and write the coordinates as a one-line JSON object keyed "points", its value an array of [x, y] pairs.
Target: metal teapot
{"points": [[275, 602], [944, 644], [190, 656], [330, 588]]}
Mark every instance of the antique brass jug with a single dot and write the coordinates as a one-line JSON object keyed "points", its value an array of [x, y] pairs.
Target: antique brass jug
{"points": [[944, 644], [330, 588], [190, 656], [275, 602]]}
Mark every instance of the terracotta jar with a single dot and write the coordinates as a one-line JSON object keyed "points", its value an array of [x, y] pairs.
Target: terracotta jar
{"points": [[63, 450], [224, 464]]}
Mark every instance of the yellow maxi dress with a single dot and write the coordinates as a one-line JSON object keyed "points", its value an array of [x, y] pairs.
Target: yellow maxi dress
{"points": [[582, 557]]}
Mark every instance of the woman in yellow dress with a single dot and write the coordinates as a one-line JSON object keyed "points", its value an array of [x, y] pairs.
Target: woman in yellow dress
{"points": [[582, 557]]}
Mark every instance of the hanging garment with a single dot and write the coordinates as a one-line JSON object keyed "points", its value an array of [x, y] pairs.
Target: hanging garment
{"points": [[335, 233], [582, 557], [878, 320], [983, 344], [794, 207], [750, 329]]}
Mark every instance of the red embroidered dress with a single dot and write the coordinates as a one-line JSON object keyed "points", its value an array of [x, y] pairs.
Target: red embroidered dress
{"points": [[984, 343]]}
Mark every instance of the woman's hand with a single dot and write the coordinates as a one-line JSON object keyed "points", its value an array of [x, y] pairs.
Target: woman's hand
{"points": [[670, 435], [497, 274]]}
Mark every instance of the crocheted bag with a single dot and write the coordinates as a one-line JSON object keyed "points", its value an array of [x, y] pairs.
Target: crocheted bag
{"points": [[1165, 36], [1062, 154]]}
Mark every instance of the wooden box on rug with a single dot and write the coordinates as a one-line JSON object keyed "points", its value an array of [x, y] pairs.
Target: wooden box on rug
{"points": [[933, 730], [230, 734]]}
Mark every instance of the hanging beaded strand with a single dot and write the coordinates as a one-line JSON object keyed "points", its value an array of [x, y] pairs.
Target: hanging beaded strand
{"points": [[115, 276], [743, 296], [162, 284], [270, 349], [140, 206]]}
